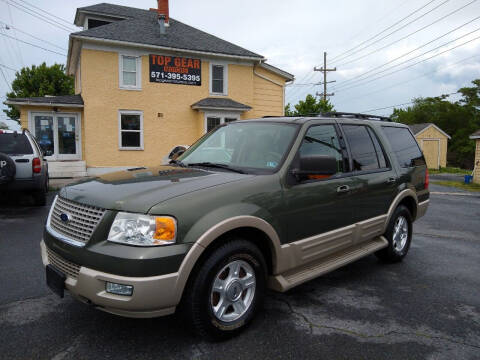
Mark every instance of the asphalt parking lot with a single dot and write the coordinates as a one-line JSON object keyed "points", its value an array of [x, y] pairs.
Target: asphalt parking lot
{"points": [[427, 307]]}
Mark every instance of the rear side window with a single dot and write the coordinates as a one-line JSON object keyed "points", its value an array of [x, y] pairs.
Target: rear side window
{"points": [[15, 144], [364, 147], [404, 146]]}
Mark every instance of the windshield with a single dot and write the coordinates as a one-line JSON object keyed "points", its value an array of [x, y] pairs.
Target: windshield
{"points": [[244, 145], [15, 144]]}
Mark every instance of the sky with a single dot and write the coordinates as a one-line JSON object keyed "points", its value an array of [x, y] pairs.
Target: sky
{"points": [[386, 52]]}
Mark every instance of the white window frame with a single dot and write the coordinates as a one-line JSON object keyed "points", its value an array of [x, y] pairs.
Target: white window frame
{"points": [[129, 112], [138, 72], [221, 115], [225, 78]]}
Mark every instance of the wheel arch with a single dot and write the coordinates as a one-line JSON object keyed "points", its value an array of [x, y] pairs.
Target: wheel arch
{"points": [[407, 197], [263, 234]]}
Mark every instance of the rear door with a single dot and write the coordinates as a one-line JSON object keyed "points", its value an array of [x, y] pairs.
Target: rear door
{"points": [[18, 147], [373, 179]]}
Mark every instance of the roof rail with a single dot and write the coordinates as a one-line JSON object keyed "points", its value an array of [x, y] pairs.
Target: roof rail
{"points": [[356, 116], [341, 115]]}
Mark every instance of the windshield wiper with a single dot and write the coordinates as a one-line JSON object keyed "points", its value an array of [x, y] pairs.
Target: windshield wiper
{"points": [[216, 165]]}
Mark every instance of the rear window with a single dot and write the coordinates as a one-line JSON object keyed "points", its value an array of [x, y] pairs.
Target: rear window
{"points": [[15, 144], [404, 146]]}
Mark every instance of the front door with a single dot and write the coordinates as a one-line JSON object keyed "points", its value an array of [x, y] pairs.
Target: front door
{"points": [[431, 151], [58, 134]]}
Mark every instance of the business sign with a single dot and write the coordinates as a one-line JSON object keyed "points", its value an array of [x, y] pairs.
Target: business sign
{"points": [[175, 70]]}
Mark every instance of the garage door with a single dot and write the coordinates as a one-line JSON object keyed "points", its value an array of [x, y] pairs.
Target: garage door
{"points": [[431, 151]]}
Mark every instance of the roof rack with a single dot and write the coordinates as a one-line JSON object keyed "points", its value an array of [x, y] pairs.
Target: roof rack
{"points": [[342, 115], [356, 116]]}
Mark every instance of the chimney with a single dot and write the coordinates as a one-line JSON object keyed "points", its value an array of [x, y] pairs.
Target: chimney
{"points": [[162, 9]]}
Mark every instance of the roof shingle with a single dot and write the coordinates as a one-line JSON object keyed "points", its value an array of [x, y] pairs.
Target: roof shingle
{"points": [[220, 103], [141, 27], [62, 99]]}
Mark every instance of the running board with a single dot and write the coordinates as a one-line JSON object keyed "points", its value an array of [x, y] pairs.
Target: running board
{"points": [[292, 278]]}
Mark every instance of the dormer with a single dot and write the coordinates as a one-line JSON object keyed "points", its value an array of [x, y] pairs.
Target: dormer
{"points": [[94, 16]]}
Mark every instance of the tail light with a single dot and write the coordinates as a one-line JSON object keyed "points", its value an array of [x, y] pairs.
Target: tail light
{"points": [[36, 165], [427, 179]]}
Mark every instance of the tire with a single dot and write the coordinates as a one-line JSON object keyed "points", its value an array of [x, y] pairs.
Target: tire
{"points": [[40, 196], [399, 236], [7, 169], [239, 267]]}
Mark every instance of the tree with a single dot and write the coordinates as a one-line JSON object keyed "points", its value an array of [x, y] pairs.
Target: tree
{"points": [[39, 81], [459, 119], [309, 106]]}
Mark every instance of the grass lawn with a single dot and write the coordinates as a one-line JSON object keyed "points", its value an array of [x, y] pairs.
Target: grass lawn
{"points": [[459, 185], [450, 170]]}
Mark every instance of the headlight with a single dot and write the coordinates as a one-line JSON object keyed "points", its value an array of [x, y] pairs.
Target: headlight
{"points": [[143, 230]]}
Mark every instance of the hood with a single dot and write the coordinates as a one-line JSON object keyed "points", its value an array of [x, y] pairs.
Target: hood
{"points": [[137, 190]]}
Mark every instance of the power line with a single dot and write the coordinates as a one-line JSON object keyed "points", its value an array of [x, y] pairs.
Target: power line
{"points": [[418, 62], [408, 35], [18, 46], [7, 67], [407, 103], [26, 42], [33, 36], [413, 79], [5, 78], [381, 32], [400, 28], [38, 16], [46, 12], [411, 51]]}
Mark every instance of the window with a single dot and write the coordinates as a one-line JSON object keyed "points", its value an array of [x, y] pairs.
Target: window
{"points": [[130, 72], [323, 140], [362, 148], [404, 146], [93, 23], [15, 144], [212, 122], [131, 130], [218, 79], [215, 118]]}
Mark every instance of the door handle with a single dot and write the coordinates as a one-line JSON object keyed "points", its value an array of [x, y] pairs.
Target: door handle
{"points": [[391, 180], [343, 189]]}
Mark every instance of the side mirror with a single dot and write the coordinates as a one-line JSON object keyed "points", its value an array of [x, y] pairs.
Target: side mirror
{"points": [[317, 165], [176, 152]]}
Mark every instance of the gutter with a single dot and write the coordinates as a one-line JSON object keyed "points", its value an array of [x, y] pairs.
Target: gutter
{"points": [[31, 103], [219, 108], [157, 47]]}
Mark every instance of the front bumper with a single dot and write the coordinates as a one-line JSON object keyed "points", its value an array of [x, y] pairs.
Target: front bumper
{"points": [[152, 296]]}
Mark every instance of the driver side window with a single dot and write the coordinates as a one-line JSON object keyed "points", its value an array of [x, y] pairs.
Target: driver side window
{"points": [[322, 140]]}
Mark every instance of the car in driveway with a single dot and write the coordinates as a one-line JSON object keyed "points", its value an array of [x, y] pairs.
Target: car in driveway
{"points": [[22, 165], [253, 204]]}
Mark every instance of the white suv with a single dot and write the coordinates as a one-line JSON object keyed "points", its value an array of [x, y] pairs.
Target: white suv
{"points": [[22, 166]]}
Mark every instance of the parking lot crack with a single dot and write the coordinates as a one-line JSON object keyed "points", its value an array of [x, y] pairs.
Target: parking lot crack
{"points": [[418, 334]]}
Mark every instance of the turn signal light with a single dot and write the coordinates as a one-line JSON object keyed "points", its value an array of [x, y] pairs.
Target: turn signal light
{"points": [[164, 228], [36, 165]]}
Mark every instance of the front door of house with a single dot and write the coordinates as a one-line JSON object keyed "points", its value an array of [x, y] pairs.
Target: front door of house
{"points": [[58, 134]]}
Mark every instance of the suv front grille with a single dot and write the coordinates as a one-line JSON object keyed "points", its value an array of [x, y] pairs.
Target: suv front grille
{"points": [[65, 266], [81, 223]]}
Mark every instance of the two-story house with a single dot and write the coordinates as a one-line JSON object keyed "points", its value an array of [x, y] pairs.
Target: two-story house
{"points": [[145, 82]]}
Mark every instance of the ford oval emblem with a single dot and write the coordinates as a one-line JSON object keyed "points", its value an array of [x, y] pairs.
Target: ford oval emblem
{"points": [[64, 217]]}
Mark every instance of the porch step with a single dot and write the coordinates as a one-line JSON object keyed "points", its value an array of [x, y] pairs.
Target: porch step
{"points": [[65, 169], [289, 279]]}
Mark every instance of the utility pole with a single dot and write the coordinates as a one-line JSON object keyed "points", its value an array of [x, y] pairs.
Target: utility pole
{"points": [[324, 69]]}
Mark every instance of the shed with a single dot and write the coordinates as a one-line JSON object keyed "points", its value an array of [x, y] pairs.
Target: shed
{"points": [[434, 143], [476, 171]]}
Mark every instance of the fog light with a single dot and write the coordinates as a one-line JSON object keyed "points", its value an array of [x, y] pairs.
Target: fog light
{"points": [[119, 289]]}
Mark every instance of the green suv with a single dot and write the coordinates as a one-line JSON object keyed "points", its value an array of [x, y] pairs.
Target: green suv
{"points": [[253, 204]]}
